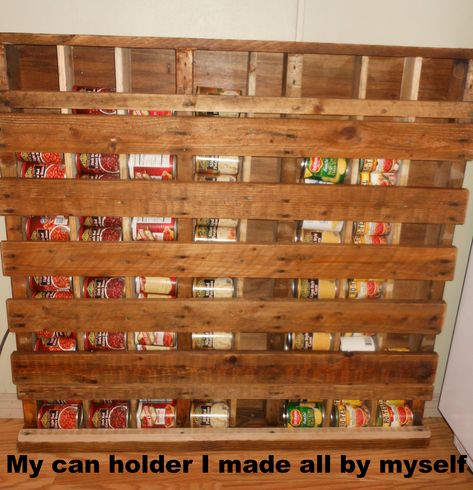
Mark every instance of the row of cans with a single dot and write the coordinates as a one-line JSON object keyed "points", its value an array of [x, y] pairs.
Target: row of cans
{"points": [[324, 341], [331, 288]]}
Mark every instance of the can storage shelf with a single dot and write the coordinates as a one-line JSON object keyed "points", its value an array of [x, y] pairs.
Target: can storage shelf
{"points": [[298, 99]]}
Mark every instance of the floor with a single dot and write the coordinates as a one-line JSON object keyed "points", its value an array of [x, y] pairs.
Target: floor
{"points": [[441, 447]]}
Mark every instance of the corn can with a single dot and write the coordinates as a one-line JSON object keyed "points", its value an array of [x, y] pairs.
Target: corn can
{"points": [[394, 414], [332, 170], [156, 414], [109, 414], [301, 414], [212, 340], [215, 234], [371, 228], [154, 229], [156, 340], [158, 167], [210, 414], [60, 416], [219, 287], [48, 228], [224, 165], [320, 341], [104, 341], [349, 415], [365, 288], [315, 288]]}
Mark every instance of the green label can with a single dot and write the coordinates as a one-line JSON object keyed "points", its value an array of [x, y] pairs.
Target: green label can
{"points": [[298, 414]]}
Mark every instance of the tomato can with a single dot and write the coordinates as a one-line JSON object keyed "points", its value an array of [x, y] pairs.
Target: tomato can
{"points": [[80, 88], [40, 157], [320, 341], [109, 414], [223, 165], [156, 414], [314, 225], [98, 163], [302, 414], [370, 240], [101, 221], [215, 234], [50, 283], [98, 234], [378, 178], [210, 414], [212, 340], [332, 170], [379, 165], [164, 286], [43, 171], [219, 287], [47, 228], [349, 415], [103, 341], [371, 228], [214, 178], [156, 340], [56, 343], [159, 167], [60, 416], [315, 288], [310, 236], [365, 288], [394, 414], [158, 229], [53, 295], [103, 287]]}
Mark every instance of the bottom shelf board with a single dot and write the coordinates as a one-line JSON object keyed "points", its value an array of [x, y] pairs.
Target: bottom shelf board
{"points": [[218, 439]]}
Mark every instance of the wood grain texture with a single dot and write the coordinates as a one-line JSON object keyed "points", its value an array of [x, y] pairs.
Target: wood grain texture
{"points": [[286, 202], [245, 315], [227, 260], [235, 136]]}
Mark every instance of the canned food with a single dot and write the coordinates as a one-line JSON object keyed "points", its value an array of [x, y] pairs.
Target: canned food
{"points": [[96, 234], [103, 287], [219, 287], [109, 414], [214, 164], [156, 414], [154, 296], [309, 236], [371, 228], [107, 112], [349, 415], [43, 171], [53, 295], [315, 288], [101, 221], [394, 414], [370, 240], [159, 229], [309, 341], [49, 158], [165, 286], [56, 343], [100, 176], [224, 222], [155, 340], [215, 178], [159, 167], [60, 416], [50, 283], [139, 112], [378, 178], [98, 163], [215, 234], [331, 170], [315, 225], [47, 228], [379, 165], [297, 414], [210, 414], [365, 288], [104, 341], [357, 343], [212, 340]]}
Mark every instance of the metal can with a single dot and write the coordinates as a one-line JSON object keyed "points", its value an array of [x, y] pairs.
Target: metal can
{"points": [[100, 176], [103, 287], [159, 167], [371, 228], [48, 228], [43, 171], [212, 340], [224, 222], [215, 234], [218, 287], [56, 343], [214, 178], [50, 283], [316, 225], [315, 288], [298, 414], [394, 414], [80, 88], [310, 236], [96, 234], [365, 288], [358, 343], [210, 414], [156, 414], [158, 229], [164, 286], [109, 414], [156, 340], [101, 221], [98, 163], [332, 170], [53, 295], [49, 158], [60, 416], [378, 178], [379, 165], [370, 240], [214, 164], [349, 415], [103, 341], [309, 341], [141, 112]]}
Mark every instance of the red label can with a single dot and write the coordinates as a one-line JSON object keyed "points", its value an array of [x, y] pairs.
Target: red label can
{"points": [[79, 88], [109, 414], [95, 234], [43, 171], [370, 240], [160, 167], [159, 229], [101, 221], [156, 414], [60, 416], [98, 163], [104, 287], [40, 157], [54, 295], [50, 283], [105, 341], [56, 343], [156, 340], [47, 228]]}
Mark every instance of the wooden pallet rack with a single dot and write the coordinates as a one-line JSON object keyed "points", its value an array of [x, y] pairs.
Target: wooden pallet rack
{"points": [[298, 99]]}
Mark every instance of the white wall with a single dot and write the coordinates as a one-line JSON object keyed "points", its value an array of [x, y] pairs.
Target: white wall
{"points": [[442, 23]]}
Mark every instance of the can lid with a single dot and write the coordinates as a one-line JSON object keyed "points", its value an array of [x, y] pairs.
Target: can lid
{"points": [[288, 341], [294, 287]]}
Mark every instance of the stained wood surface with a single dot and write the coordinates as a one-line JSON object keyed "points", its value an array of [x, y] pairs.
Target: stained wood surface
{"points": [[244, 315], [227, 260], [235, 136], [243, 200]]}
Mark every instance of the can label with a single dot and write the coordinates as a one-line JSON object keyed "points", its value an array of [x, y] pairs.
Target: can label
{"points": [[96, 234], [315, 225], [316, 288], [161, 286], [219, 287], [378, 178], [224, 222], [311, 341], [212, 340], [109, 414], [211, 414], [159, 167], [394, 415], [56, 343], [47, 228], [107, 112], [104, 287], [379, 165], [100, 176], [53, 295], [59, 416], [371, 228], [40, 157], [225, 165], [351, 415], [156, 340], [365, 288], [304, 414], [43, 171], [370, 240], [330, 170], [51, 283], [158, 229], [156, 414], [215, 178], [101, 221], [105, 341], [98, 163], [215, 234], [309, 236]]}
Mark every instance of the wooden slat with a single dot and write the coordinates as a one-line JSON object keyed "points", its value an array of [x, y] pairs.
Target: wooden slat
{"points": [[227, 260], [239, 136], [187, 368], [253, 104], [246, 315], [284, 202], [232, 45]]}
